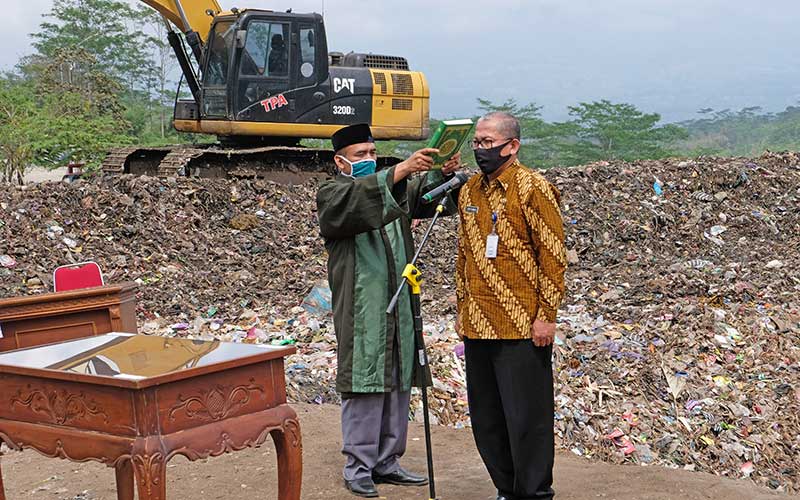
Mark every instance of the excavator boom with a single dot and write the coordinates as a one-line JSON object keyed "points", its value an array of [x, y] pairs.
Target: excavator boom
{"points": [[187, 15]]}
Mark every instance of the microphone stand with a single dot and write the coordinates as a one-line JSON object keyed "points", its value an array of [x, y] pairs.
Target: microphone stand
{"points": [[413, 277]]}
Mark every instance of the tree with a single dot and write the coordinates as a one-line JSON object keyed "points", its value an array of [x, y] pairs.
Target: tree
{"points": [[17, 127], [86, 113], [109, 30], [602, 130], [129, 44], [165, 62], [71, 111], [150, 110], [748, 131]]}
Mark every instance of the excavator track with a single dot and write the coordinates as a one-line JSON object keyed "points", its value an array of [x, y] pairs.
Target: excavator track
{"points": [[114, 162], [176, 161], [284, 164]]}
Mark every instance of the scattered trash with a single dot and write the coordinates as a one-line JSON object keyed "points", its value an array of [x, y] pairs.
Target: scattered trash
{"points": [[657, 187], [318, 302], [644, 454], [701, 196], [622, 442], [699, 263], [674, 382], [680, 327], [717, 230], [244, 222]]}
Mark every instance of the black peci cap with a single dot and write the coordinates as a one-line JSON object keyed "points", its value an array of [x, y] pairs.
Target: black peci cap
{"points": [[354, 134]]}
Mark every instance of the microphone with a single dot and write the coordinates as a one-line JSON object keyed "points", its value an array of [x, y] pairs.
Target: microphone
{"points": [[445, 188]]}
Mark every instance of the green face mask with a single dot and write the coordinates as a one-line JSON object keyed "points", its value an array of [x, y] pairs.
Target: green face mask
{"points": [[361, 168]]}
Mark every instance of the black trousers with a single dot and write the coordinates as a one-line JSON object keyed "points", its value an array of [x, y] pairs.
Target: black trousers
{"points": [[510, 389]]}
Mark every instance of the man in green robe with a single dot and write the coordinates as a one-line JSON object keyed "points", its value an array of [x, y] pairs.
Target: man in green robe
{"points": [[365, 218]]}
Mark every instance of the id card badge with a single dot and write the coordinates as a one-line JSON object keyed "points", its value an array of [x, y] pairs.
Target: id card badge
{"points": [[491, 246], [492, 240]]}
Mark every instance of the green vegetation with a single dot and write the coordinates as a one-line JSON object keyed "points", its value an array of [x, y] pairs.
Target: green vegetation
{"points": [[598, 131], [96, 80], [72, 109], [747, 132], [102, 75], [603, 130]]}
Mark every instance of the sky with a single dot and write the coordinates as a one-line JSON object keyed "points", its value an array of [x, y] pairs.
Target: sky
{"points": [[673, 57]]}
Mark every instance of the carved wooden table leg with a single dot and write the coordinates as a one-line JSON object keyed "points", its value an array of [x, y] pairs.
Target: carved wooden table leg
{"points": [[289, 449], [124, 473], [150, 469]]}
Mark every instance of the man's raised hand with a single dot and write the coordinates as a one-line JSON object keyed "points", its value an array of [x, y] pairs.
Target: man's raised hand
{"points": [[420, 161]]}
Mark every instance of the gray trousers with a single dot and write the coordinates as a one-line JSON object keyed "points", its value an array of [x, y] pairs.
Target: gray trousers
{"points": [[374, 432]]}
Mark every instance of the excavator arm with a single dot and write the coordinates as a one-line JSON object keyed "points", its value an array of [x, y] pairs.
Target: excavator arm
{"points": [[193, 18], [187, 15]]}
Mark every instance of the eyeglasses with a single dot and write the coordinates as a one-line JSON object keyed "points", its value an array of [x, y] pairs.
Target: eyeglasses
{"points": [[486, 143]]}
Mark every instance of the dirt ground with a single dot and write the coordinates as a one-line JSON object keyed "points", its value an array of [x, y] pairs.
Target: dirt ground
{"points": [[39, 174], [460, 474]]}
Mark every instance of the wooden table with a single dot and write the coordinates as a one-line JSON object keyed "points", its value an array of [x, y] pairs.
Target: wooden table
{"points": [[133, 402], [53, 317]]}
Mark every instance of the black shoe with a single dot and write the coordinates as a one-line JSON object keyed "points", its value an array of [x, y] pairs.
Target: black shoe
{"points": [[506, 496], [401, 477], [363, 487]]}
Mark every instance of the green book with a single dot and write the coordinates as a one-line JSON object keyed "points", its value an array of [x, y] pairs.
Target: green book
{"points": [[448, 138]]}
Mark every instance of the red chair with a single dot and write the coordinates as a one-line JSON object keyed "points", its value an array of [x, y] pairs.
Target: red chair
{"points": [[75, 276]]}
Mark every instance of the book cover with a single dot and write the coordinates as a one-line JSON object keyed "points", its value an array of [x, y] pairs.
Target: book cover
{"points": [[448, 138]]}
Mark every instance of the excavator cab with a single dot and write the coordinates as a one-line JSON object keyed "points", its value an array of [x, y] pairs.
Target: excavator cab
{"points": [[262, 66], [267, 78]]}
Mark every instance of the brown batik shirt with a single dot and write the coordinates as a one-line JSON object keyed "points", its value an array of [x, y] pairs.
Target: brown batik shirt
{"points": [[500, 297]]}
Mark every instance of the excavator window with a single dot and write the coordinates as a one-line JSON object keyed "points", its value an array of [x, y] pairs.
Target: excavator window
{"points": [[215, 77], [307, 54], [264, 65], [219, 57], [266, 52]]}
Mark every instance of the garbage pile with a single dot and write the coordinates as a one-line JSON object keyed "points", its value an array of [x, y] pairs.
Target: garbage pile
{"points": [[191, 244], [679, 339], [683, 321]]}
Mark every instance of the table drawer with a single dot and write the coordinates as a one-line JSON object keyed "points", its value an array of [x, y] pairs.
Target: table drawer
{"points": [[218, 396], [67, 404]]}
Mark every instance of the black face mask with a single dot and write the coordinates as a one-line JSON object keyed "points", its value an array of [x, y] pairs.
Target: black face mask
{"points": [[489, 160]]}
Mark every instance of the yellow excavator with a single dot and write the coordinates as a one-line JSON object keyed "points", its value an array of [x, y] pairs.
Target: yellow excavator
{"points": [[261, 81]]}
